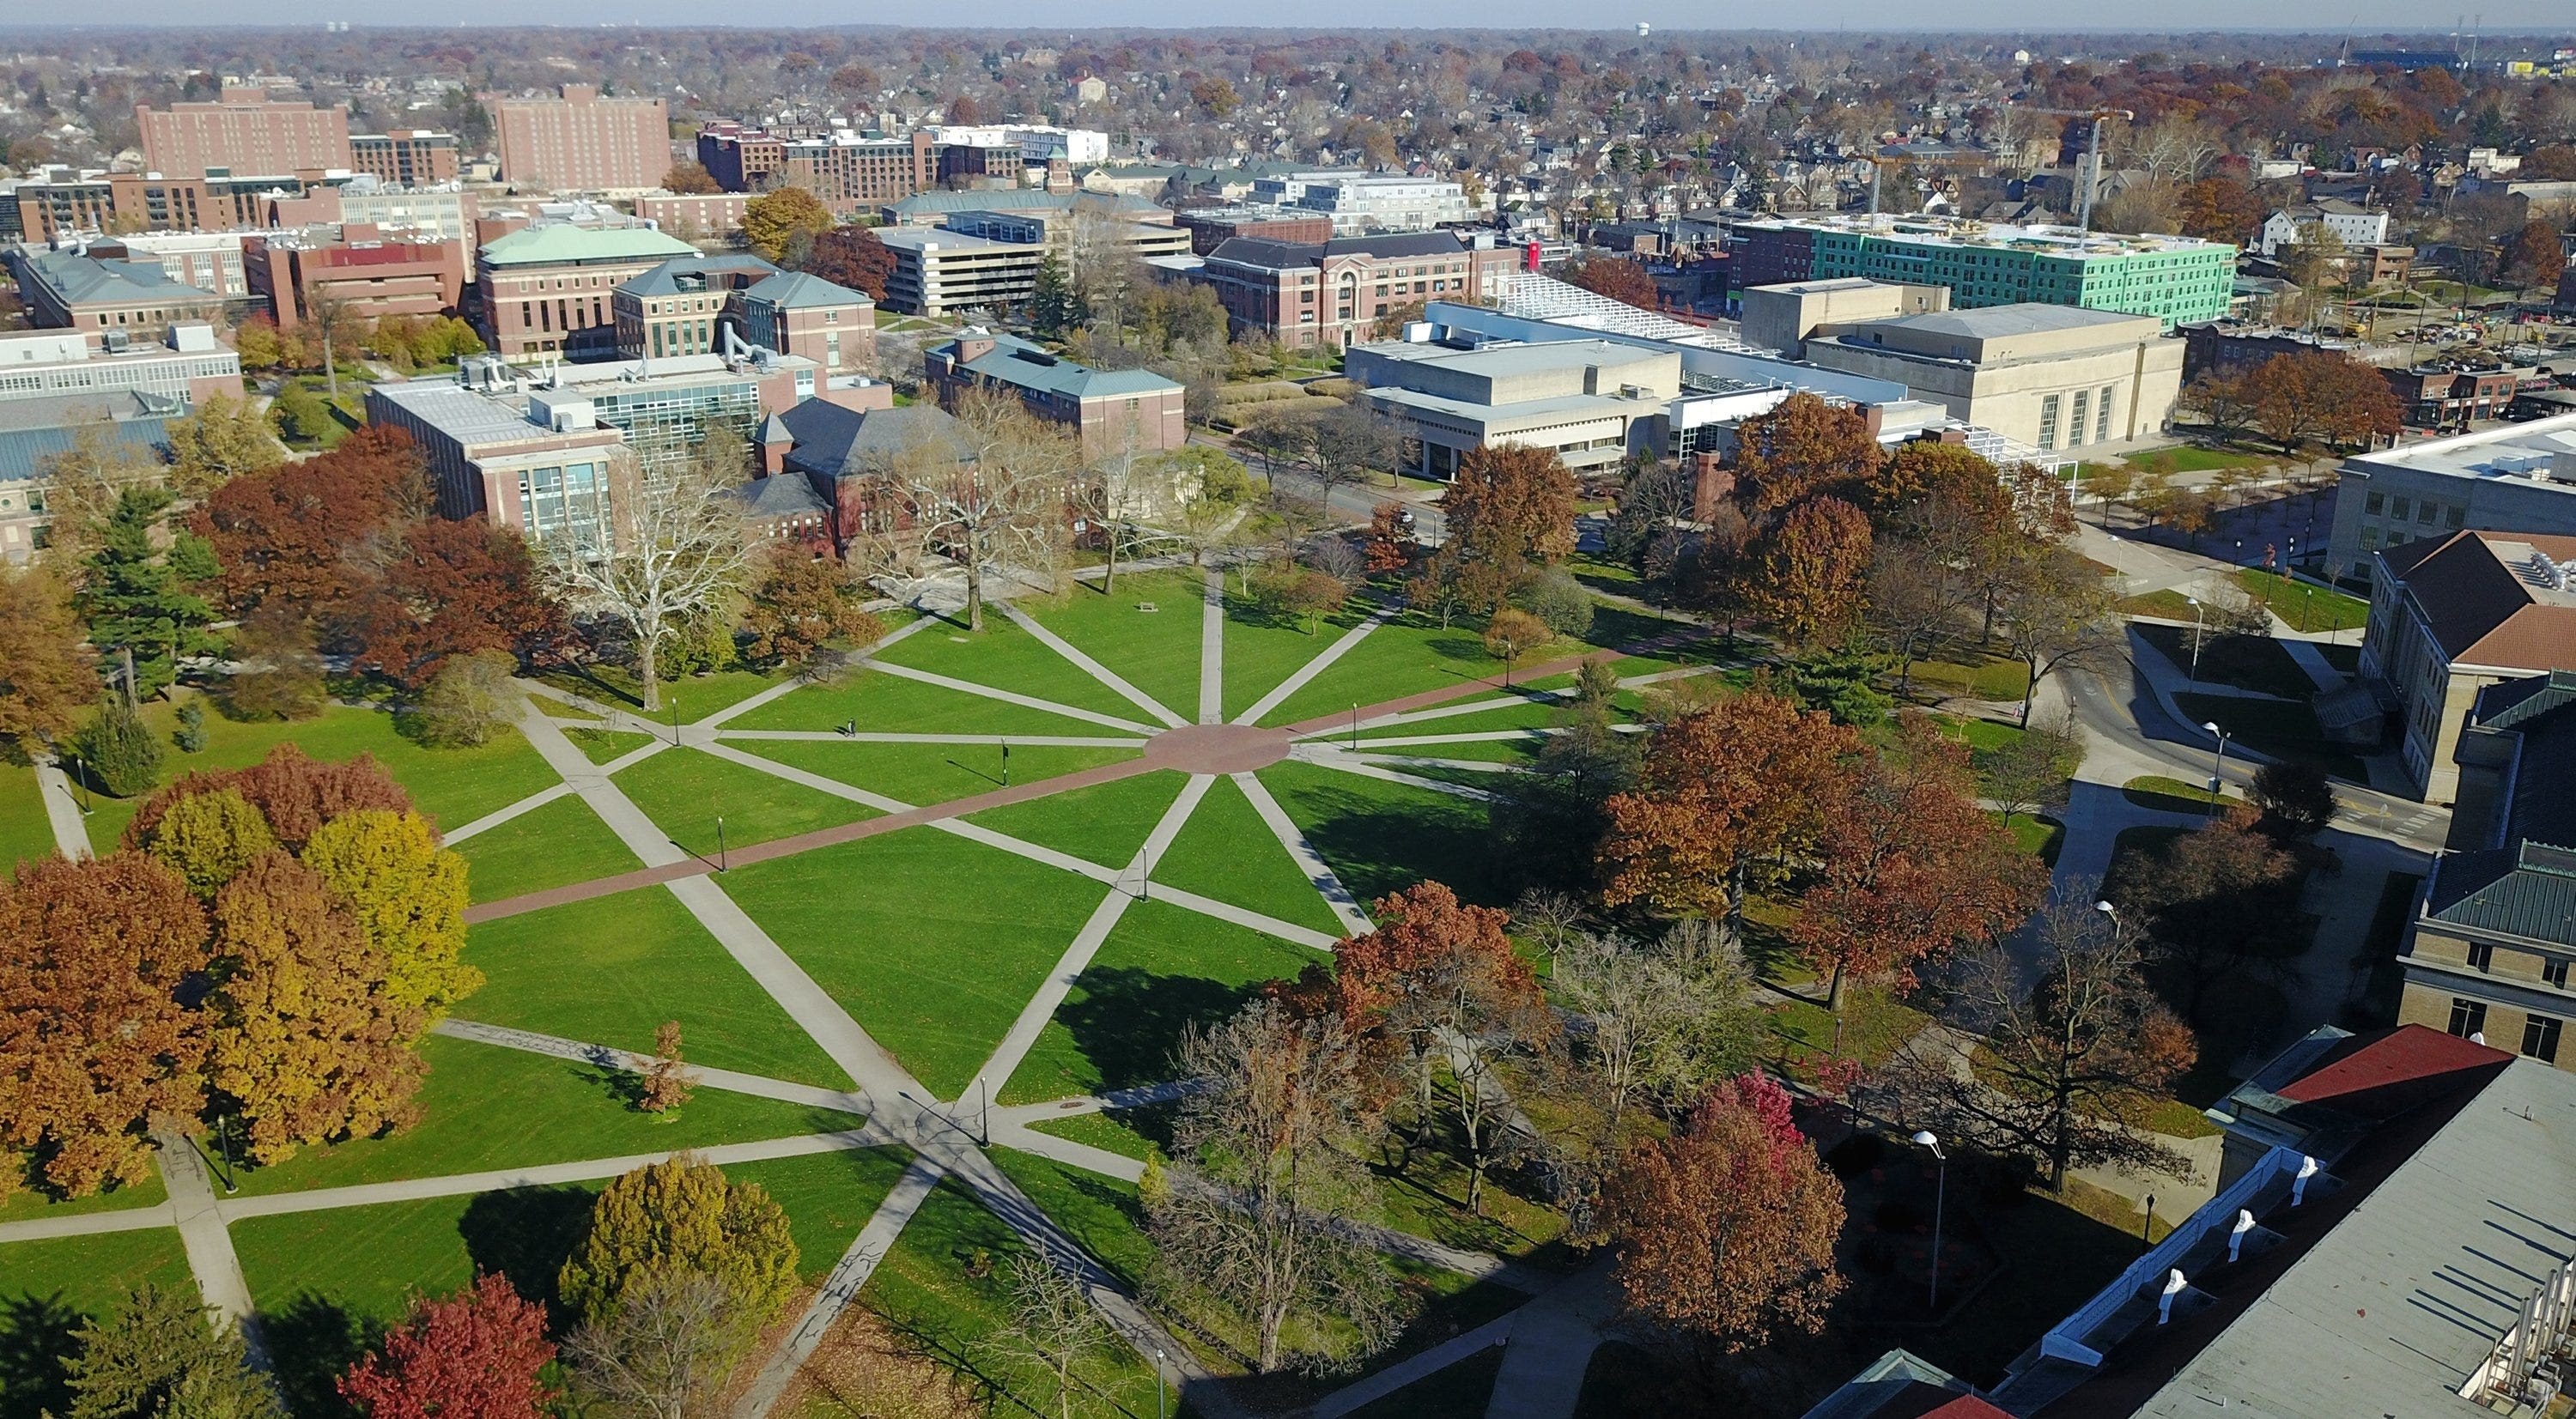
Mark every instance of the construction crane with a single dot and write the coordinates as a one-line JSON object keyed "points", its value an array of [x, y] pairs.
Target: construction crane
{"points": [[2093, 152]]}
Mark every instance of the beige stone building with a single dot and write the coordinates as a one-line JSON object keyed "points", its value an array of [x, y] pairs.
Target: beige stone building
{"points": [[2448, 619], [2494, 938], [2054, 377], [1590, 402], [1782, 317], [583, 143]]}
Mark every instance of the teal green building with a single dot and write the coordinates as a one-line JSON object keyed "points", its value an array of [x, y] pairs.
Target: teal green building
{"points": [[2176, 279]]}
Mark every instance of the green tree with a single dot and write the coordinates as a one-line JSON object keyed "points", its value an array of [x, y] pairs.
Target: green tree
{"points": [[408, 894], [118, 751], [136, 595], [681, 1216], [157, 1358], [1055, 306], [208, 837], [222, 440]]}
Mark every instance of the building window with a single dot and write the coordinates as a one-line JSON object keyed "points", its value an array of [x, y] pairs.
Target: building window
{"points": [[2456, 515], [2555, 972], [2540, 1038], [2075, 426], [2400, 507], [2468, 1017], [2481, 956], [2048, 423], [2375, 504], [2102, 417]]}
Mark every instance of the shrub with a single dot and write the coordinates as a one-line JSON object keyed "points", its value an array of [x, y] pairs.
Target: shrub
{"points": [[190, 736], [1554, 596], [470, 699], [681, 1216], [117, 751]]}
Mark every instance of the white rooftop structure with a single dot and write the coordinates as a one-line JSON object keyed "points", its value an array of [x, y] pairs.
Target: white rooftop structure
{"points": [[2542, 451], [1533, 296]]}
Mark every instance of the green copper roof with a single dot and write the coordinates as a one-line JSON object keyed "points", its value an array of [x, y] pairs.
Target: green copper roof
{"points": [[564, 245]]}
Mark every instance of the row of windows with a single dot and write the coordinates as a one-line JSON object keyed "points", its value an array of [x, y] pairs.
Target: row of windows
{"points": [[2085, 405], [2425, 510], [2539, 1032]]}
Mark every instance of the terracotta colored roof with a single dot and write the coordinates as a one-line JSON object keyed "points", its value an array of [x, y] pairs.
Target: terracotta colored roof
{"points": [[2480, 609], [2369, 1064]]}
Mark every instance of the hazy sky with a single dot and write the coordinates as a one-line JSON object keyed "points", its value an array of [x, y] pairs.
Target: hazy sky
{"points": [[2526, 16]]}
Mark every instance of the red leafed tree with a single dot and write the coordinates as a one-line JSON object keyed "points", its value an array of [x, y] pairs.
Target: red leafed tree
{"points": [[1618, 277], [294, 793], [1390, 542], [1907, 865], [1738, 784], [300, 533], [474, 1355], [1726, 1230], [94, 1042], [1808, 572], [852, 257], [448, 588], [1803, 447]]}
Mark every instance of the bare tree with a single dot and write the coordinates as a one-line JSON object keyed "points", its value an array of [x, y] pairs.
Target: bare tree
{"points": [[2055, 615], [1667, 1019], [1250, 1215], [990, 495], [666, 1351], [678, 551], [1053, 1325]]}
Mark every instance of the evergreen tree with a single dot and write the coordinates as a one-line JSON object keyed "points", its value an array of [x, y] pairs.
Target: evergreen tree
{"points": [[137, 596], [117, 750], [158, 1357], [1056, 307]]}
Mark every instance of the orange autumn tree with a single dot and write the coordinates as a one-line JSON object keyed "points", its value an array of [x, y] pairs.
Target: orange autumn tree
{"points": [[1726, 1229], [1907, 865], [1437, 987], [1725, 788]]}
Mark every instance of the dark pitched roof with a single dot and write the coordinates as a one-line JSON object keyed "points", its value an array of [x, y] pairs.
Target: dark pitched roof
{"points": [[797, 290], [1288, 255], [780, 497], [2527, 889], [689, 275], [835, 442], [2525, 885], [2479, 609]]}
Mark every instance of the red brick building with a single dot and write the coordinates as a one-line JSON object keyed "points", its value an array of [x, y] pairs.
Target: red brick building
{"points": [[374, 277], [243, 132], [1329, 294], [581, 142], [406, 157], [1212, 227], [1111, 411], [695, 216]]}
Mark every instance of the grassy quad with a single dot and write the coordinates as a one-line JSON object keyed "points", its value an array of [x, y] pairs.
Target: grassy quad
{"points": [[1261, 652], [1162, 970], [1378, 836], [1004, 657], [933, 943], [929, 773], [551, 845], [1106, 823], [610, 971], [452, 786], [485, 1107], [48, 1288], [879, 703], [1405, 656], [1156, 651], [25, 832], [684, 791], [1226, 852]]}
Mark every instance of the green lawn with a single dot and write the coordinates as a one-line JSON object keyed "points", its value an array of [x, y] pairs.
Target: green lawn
{"points": [[1106, 1130], [48, 1287], [943, 1284], [684, 791], [611, 970], [1405, 656], [1105, 823], [1873, 1025], [2167, 604], [928, 773], [696, 696], [1523, 749], [2281, 729], [451, 786], [2041, 837], [2171, 795], [1261, 653], [549, 846], [934, 943], [1162, 970], [29, 1203], [602, 746], [1156, 651], [890, 704], [25, 832], [1004, 657], [1973, 678], [1380, 836], [1226, 852], [2254, 663], [2305, 607], [485, 1107], [1100, 1213]]}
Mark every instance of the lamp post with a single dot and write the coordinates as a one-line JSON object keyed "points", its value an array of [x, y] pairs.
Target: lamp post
{"points": [[721, 859], [2199, 618], [2146, 1229], [2217, 766], [1940, 1203], [675, 719], [1159, 1400], [1355, 727]]}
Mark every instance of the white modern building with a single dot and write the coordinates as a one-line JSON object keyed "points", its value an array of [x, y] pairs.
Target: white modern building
{"points": [[1038, 142], [1361, 202], [2354, 225], [2520, 478]]}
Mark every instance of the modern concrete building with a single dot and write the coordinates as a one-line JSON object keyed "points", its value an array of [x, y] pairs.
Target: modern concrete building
{"points": [[2519, 479], [1111, 411], [370, 274], [1782, 317], [2178, 280], [2053, 377], [2450, 617], [545, 290], [2353, 225], [405, 157], [1590, 402], [183, 362], [447, 212], [939, 272], [696, 216], [2494, 938], [1361, 202], [66, 289], [245, 131], [581, 142], [1331, 294]]}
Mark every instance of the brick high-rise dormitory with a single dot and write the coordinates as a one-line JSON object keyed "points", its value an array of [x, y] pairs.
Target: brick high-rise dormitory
{"points": [[582, 142], [243, 132]]}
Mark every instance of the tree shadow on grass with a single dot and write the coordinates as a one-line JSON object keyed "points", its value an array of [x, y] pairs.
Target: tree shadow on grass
{"points": [[35, 1339], [1376, 847], [313, 1341], [526, 1234], [1128, 1022]]}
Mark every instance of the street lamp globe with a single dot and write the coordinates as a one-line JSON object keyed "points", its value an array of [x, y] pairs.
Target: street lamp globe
{"points": [[2211, 726], [1925, 1138]]}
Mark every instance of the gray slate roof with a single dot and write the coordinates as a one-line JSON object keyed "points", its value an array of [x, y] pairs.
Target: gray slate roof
{"points": [[834, 442], [1023, 365], [674, 277], [23, 451], [1289, 255], [798, 290], [81, 279], [783, 496], [2526, 886]]}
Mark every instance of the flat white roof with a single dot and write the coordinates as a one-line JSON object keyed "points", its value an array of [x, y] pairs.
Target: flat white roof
{"points": [[2515, 451]]}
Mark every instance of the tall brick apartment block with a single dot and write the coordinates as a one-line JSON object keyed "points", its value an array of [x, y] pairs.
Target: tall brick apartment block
{"points": [[245, 131], [583, 143]]}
